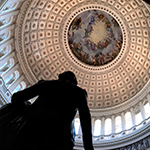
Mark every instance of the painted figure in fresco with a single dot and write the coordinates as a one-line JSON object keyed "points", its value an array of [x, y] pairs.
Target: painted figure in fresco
{"points": [[89, 28], [82, 55], [101, 16], [99, 45], [107, 58], [107, 22], [86, 33], [48, 122], [76, 24], [93, 46], [118, 44], [92, 20], [115, 22], [101, 58], [114, 53], [96, 16]]}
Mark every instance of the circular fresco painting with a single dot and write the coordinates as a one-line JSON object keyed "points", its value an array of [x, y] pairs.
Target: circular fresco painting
{"points": [[95, 37]]}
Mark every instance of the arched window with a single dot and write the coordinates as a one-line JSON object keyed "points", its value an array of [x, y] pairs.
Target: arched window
{"points": [[2, 52], [5, 51], [12, 62], [138, 117], [9, 79], [118, 124], [7, 65], [17, 89], [108, 126], [2, 22], [77, 125], [14, 76], [3, 67], [97, 128], [147, 109], [128, 120], [5, 36], [23, 85]]}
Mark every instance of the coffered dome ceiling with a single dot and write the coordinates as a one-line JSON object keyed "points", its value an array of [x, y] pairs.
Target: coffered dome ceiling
{"points": [[106, 43]]}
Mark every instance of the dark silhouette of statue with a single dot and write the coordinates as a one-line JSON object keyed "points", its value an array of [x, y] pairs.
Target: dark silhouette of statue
{"points": [[48, 122], [147, 1]]}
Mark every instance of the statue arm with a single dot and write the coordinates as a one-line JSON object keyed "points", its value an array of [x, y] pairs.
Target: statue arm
{"points": [[85, 119], [26, 94], [147, 1]]}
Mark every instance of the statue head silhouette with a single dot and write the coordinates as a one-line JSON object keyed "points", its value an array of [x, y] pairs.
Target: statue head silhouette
{"points": [[68, 76]]}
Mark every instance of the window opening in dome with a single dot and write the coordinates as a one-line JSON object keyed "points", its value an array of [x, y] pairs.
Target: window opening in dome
{"points": [[17, 89], [128, 120], [118, 124], [147, 109], [97, 128], [23, 85], [77, 125], [138, 117], [3, 66], [108, 126], [9, 79]]}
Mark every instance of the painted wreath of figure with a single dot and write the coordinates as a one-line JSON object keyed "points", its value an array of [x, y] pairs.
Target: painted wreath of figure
{"points": [[95, 37], [48, 122]]}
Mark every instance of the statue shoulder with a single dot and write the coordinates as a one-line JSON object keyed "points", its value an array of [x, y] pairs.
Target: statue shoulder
{"points": [[83, 91]]}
